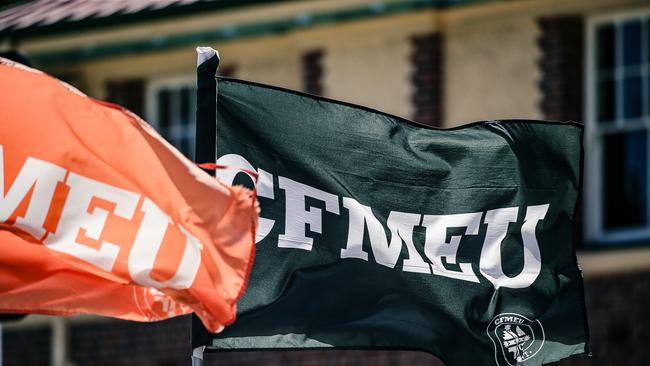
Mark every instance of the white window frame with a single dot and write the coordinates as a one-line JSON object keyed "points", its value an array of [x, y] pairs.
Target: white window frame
{"points": [[593, 202], [154, 86]]}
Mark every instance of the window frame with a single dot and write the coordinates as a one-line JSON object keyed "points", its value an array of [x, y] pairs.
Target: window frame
{"points": [[154, 86], [593, 201]]}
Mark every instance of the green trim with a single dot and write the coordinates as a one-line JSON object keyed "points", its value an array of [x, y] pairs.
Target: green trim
{"points": [[232, 32]]}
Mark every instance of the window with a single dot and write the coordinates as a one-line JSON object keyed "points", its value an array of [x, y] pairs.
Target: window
{"points": [[128, 93], [618, 128], [171, 109]]}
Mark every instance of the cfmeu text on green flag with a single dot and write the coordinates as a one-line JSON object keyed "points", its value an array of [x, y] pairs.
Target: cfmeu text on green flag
{"points": [[379, 233]]}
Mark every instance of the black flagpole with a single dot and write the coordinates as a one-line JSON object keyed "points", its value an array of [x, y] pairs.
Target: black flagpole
{"points": [[206, 141]]}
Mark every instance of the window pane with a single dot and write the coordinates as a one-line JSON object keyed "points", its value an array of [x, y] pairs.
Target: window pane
{"points": [[185, 106], [193, 104], [163, 111], [174, 107], [176, 114], [632, 97], [605, 47], [606, 101], [647, 60], [185, 146], [647, 40], [625, 179], [632, 43]]}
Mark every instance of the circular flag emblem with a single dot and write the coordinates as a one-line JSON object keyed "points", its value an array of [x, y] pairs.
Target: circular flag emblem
{"points": [[515, 337], [155, 305]]}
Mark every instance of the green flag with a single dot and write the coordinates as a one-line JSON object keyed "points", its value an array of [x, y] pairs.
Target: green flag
{"points": [[379, 233]]}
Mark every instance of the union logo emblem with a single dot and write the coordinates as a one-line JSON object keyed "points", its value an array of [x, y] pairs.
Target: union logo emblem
{"points": [[515, 337], [155, 305]]}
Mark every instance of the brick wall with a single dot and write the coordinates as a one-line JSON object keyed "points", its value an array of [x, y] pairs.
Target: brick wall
{"points": [[312, 72], [427, 78], [123, 343], [26, 347], [561, 66], [617, 308]]}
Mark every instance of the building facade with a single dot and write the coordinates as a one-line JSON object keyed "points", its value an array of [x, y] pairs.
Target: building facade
{"points": [[438, 62]]}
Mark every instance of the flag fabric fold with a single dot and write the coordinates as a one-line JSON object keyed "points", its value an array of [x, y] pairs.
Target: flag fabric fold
{"points": [[379, 233], [99, 214]]}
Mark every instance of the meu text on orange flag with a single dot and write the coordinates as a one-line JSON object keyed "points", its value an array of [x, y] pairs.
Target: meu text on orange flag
{"points": [[98, 214]]}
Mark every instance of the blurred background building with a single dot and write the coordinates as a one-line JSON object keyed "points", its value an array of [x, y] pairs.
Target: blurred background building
{"points": [[439, 62]]}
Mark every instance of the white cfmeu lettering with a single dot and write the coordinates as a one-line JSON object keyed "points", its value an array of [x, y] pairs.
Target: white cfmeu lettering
{"points": [[76, 216], [263, 187], [386, 253], [39, 174], [297, 217], [437, 248], [441, 247], [147, 244], [498, 221], [81, 216]]}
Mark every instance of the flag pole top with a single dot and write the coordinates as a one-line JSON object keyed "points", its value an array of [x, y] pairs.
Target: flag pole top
{"points": [[205, 53]]}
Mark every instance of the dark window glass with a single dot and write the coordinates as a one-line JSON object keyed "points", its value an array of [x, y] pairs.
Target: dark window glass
{"points": [[647, 40], [163, 111], [174, 105], [606, 101], [632, 97], [625, 179], [185, 146], [647, 96], [185, 106], [632, 43], [647, 61], [605, 47]]}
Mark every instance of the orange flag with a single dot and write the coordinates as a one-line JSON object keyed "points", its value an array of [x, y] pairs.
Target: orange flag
{"points": [[98, 214]]}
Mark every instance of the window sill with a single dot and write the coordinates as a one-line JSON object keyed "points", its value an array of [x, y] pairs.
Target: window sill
{"points": [[602, 260]]}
